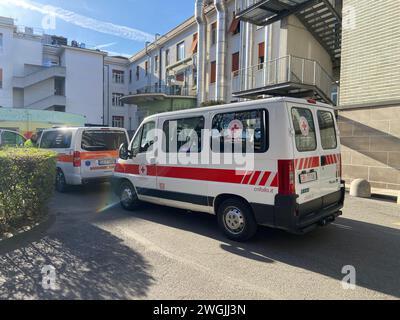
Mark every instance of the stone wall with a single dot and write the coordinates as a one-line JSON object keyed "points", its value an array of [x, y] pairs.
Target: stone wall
{"points": [[371, 145]]}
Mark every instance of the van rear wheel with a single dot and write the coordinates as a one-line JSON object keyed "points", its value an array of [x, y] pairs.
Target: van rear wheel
{"points": [[128, 196], [236, 220], [61, 183]]}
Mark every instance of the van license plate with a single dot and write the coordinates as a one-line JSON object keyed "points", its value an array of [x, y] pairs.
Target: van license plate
{"points": [[308, 177], [106, 162]]}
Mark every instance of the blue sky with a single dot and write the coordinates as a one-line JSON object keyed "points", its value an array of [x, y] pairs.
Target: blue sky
{"points": [[118, 26]]}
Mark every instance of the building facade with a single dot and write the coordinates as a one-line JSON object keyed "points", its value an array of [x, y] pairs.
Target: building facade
{"points": [[370, 92]]}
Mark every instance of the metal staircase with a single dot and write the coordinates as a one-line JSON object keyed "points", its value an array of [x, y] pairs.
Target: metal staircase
{"points": [[320, 17]]}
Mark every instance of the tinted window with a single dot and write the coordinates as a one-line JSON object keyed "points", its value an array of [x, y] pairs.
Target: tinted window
{"points": [[327, 130], [56, 140], [184, 135], [102, 140], [254, 130], [303, 123], [11, 139]]}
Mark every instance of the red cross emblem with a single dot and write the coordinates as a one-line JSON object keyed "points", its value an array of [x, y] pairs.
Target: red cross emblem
{"points": [[143, 170], [304, 127], [235, 129]]}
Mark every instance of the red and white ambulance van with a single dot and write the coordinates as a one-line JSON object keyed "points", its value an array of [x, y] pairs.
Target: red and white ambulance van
{"points": [[293, 183], [84, 154]]}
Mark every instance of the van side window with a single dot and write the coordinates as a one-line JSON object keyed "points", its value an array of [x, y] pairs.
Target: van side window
{"points": [[303, 123], [148, 136], [184, 135], [56, 140], [327, 130], [254, 130]]}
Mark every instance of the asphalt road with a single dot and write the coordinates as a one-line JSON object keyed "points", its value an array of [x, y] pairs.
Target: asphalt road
{"points": [[100, 251]]}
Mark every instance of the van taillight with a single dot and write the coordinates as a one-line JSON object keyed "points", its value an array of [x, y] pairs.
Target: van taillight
{"points": [[77, 159], [286, 175], [340, 166]]}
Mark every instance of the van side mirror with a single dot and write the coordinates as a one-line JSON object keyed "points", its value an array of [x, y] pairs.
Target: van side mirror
{"points": [[124, 153]]}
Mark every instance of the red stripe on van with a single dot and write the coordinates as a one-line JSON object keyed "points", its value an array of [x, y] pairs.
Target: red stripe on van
{"points": [[275, 181], [255, 178], [265, 178]]}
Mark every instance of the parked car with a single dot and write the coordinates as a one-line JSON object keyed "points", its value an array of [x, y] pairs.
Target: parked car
{"points": [[11, 138], [84, 154], [294, 184]]}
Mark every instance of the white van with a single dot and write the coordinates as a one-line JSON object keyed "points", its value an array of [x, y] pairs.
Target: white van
{"points": [[294, 182], [84, 154]]}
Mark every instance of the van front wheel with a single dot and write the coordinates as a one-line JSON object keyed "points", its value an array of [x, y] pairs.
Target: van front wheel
{"points": [[128, 196], [236, 220]]}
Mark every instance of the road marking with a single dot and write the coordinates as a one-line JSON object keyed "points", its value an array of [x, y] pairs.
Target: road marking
{"points": [[342, 226]]}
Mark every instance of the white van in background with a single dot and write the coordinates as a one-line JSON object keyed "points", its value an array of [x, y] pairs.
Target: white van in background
{"points": [[295, 183], [84, 154]]}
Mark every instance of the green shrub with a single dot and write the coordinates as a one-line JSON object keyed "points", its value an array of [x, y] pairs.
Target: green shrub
{"points": [[26, 184]]}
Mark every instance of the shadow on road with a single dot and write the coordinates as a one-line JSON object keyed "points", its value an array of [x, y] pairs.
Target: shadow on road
{"points": [[372, 249], [90, 264]]}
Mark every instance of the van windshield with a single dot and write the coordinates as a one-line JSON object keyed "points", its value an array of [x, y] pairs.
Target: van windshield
{"points": [[102, 140]]}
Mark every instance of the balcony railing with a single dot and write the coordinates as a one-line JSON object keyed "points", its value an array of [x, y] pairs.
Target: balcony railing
{"points": [[174, 90], [284, 70]]}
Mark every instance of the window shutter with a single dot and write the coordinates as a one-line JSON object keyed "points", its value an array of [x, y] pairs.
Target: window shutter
{"points": [[261, 49], [235, 62], [213, 75], [195, 43]]}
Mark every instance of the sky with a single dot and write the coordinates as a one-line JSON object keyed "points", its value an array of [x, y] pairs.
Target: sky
{"points": [[120, 27]]}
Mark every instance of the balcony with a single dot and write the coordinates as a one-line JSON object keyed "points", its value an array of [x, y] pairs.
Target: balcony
{"points": [[40, 75], [286, 76], [48, 103], [322, 18]]}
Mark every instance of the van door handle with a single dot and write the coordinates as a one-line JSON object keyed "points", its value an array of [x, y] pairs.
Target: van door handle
{"points": [[323, 161]]}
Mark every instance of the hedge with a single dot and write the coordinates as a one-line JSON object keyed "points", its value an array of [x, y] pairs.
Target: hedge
{"points": [[26, 185]]}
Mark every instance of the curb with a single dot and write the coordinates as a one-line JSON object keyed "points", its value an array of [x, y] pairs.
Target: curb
{"points": [[381, 196]]}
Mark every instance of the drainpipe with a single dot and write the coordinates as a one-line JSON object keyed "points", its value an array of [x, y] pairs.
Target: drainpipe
{"points": [[201, 55], [220, 89]]}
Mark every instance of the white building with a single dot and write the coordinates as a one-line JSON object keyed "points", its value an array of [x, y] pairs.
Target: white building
{"points": [[39, 71]]}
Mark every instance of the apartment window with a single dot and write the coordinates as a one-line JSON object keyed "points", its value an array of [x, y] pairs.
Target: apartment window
{"points": [[213, 73], [1, 78], [261, 55], [180, 77], [116, 100], [195, 43], [235, 64], [214, 33], [146, 68], [130, 76], [137, 73], [235, 25], [156, 64], [59, 86], [118, 122], [1, 42], [118, 76], [180, 51], [167, 59]]}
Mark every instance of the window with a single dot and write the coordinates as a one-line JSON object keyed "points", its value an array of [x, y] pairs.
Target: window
{"points": [[167, 58], [327, 130], [195, 43], [184, 135], [235, 25], [118, 76], [9, 138], [1, 78], [254, 130], [235, 64], [116, 100], [261, 55], [102, 140], [130, 76], [214, 33], [56, 140], [1, 42], [303, 124], [118, 122], [213, 73], [156, 64], [146, 68], [180, 77], [180, 51], [146, 138], [137, 73]]}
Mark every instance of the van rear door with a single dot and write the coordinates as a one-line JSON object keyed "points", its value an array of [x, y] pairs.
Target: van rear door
{"points": [[329, 145], [99, 151], [307, 157]]}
